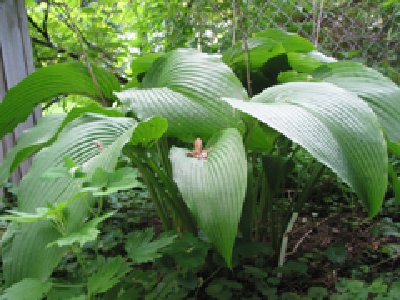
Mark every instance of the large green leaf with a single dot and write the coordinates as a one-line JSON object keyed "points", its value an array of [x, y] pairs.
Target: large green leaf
{"points": [[335, 126], [30, 142], [261, 49], [292, 42], [380, 92], [267, 57], [264, 46], [149, 130], [24, 249], [214, 188], [27, 289], [44, 134], [46, 83], [186, 86]]}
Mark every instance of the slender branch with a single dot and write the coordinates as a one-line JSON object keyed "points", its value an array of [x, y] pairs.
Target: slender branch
{"points": [[38, 28], [84, 53], [45, 19], [49, 44], [73, 55]]}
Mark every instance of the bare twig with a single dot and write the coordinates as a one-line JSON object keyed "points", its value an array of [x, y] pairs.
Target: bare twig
{"points": [[301, 240]]}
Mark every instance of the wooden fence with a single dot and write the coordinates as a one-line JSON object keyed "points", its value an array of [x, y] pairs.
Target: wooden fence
{"points": [[16, 62]]}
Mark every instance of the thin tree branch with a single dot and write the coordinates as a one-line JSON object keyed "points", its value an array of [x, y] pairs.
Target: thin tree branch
{"points": [[38, 28], [45, 19], [84, 53], [50, 45]]}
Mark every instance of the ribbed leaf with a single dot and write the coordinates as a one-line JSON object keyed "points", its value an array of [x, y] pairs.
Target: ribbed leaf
{"points": [[380, 92], [44, 134], [185, 87], [19, 291], [214, 188], [30, 142], [24, 248], [261, 50], [46, 83], [292, 42], [335, 126]]}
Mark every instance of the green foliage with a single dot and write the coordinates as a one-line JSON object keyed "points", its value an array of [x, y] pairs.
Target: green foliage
{"points": [[140, 65], [214, 188], [44, 134], [141, 247], [381, 94], [317, 293], [87, 232], [223, 288], [356, 289], [149, 131], [242, 174], [109, 271], [30, 142], [336, 253], [46, 83], [321, 117], [77, 141], [188, 252], [27, 289], [105, 183], [177, 87]]}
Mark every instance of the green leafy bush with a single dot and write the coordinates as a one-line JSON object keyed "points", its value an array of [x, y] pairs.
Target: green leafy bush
{"points": [[344, 116]]}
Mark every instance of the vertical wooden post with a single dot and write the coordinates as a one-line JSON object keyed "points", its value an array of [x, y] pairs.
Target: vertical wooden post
{"points": [[16, 62]]}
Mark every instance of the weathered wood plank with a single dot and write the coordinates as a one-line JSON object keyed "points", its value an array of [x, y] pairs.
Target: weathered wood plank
{"points": [[16, 61]]}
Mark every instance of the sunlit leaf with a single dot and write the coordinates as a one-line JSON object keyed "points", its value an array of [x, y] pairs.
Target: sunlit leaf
{"points": [[292, 42], [381, 94], [149, 131], [214, 187], [46, 83], [24, 251], [335, 126], [178, 88]]}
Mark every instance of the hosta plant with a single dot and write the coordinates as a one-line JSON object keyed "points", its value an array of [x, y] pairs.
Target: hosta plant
{"points": [[342, 114]]}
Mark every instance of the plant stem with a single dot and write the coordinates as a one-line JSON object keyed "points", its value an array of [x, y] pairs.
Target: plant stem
{"points": [[315, 175], [78, 251], [174, 200], [282, 254], [151, 185]]}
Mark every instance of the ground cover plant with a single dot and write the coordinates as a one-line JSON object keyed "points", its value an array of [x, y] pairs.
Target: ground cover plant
{"points": [[228, 148]]}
